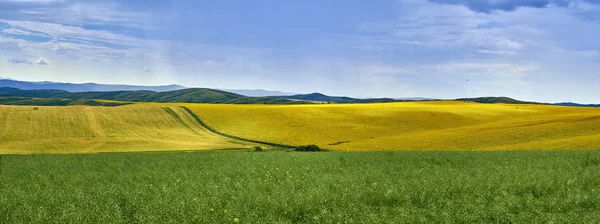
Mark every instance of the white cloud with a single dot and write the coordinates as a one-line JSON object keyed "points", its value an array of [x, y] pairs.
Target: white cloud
{"points": [[14, 31], [66, 33], [496, 52], [42, 61], [81, 13], [450, 27]]}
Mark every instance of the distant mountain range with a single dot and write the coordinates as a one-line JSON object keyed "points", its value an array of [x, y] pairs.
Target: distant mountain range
{"points": [[194, 95], [94, 87], [505, 100], [28, 93], [576, 104], [321, 98], [84, 87]]}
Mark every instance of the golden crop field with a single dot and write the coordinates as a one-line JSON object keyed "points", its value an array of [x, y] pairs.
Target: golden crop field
{"points": [[82, 129], [442, 125]]}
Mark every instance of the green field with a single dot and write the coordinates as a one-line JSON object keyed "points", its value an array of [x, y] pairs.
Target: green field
{"points": [[292, 187]]}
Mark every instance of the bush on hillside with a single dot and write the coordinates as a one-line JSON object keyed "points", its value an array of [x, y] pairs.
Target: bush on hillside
{"points": [[308, 148]]}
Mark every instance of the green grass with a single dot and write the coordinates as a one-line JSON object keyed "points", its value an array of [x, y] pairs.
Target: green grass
{"points": [[291, 187]]}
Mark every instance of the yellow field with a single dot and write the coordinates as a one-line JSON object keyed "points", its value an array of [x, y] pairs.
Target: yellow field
{"points": [[80, 129], [446, 125]]}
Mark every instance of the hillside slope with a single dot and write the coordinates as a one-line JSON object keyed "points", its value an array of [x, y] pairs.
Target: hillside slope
{"points": [[571, 104], [319, 97], [24, 101], [504, 100], [440, 125], [195, 95], [80, 129]]}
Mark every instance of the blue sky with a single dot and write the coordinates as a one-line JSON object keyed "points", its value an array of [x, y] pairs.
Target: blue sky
{"points": [[542, 50]]}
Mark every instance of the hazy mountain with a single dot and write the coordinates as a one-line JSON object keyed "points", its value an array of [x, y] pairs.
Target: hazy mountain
{"points": [[576, 104], [415, 99], [89, 87], [257, 92], [506, 100], [83, 87], [319, 97], [170, 93]]}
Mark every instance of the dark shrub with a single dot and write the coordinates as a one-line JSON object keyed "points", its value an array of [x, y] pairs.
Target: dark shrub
{"points": [[308, 148], [257, 149]]}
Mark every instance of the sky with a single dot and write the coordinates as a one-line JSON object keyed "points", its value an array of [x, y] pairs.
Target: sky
{"points": [[538, 50]]}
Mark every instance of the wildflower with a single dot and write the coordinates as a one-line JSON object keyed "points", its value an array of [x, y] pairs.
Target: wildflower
{"points": [[236, 220]]}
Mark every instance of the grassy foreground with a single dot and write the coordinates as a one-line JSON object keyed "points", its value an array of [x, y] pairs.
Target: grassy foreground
{"points": [[289, 187]]}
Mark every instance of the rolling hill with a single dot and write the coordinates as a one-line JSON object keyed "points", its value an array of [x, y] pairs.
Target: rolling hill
{"points": [[406, 126], [196, 95], [57, 102], [257, 92], [433, 125], [570, 104], [503, 100], [80, 129], [319, 97]]}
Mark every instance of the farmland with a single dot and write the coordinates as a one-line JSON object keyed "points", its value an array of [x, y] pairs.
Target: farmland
{"points": [[80, 167], [292, 187], [409, 126], [81, 129], [441, 125]]}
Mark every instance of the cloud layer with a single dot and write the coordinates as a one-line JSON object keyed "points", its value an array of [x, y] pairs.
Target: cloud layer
{"points": [[491, 5], [19, 61], [488, 6]]}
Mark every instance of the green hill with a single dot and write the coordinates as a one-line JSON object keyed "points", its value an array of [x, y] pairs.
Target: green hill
{"points": [[266, 100], [195, 95], [335, 99], [505, 100], [23, 101]]}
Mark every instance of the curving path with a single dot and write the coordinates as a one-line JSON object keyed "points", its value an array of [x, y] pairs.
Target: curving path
{"points": [[211, 129]]}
